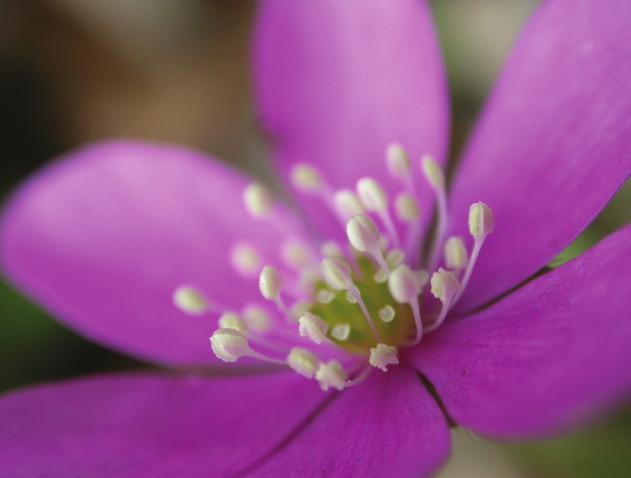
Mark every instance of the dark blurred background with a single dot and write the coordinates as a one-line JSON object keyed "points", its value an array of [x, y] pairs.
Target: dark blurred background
{"points": [[74, 71]]}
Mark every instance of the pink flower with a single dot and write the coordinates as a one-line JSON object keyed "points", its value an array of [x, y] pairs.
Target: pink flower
{"points": [[479, 337]]}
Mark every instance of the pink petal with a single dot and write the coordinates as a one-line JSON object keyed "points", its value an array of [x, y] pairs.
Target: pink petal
{"points": [[338, 81], [388, 426], [549, 356], [150, 425], [554, 143], [103, 239]]}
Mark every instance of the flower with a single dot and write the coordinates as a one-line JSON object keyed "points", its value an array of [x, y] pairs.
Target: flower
{"points": [[115, 234]]}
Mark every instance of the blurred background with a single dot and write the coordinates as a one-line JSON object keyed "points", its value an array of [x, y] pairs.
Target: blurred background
{"points": [[73, 71]]}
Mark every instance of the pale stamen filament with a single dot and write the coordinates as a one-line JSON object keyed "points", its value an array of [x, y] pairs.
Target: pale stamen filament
{"points": [[416, 311], [362, 305], [445, 287], [264, 358], [481, 224], [360, 377], [436, 179]]}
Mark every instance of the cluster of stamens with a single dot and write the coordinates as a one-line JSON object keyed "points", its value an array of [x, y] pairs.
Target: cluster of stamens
{"points": [[353, 309]]}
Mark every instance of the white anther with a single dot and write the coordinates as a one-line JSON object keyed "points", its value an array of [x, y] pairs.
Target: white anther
{"points": [[422, 277], [341, 332], [245, 259], [331, 249], [387, 314], [190, 300], [398, 161], [258, 200], [395, 258], [331, 374], [270, 283], [337, 273], [347, 204], [404, 285], [230, 320], [229, 345], [303, 362], [363, 233], [313, 327], [481, 220], [433, 172], [350, 297], [372, 195], [296, 254], [381, 276], [445, 285], [456, 256], [306, 178], [383, 355], [257, 318], [325, 296], [407, 208]]}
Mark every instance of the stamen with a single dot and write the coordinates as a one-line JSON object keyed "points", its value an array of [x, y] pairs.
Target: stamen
{"points": [[331, 250], [347, 204], [325, 296], [230, 345], [258, 200], [405, 286], [435, 177], [364, 309], [381, 276], [360, 377], [313, 327], [456, 257], [350, 297], [364, 236], [270, 285], [374, 198], [230, 320], [372, 195], [331, 374], [481, 221], [481, 224], [337, 274], [341, 332], [383, 355], [257, 318], [407, 208], [387, 314], [306, 178], [433, 173], [395, 258], [190, 300], [303, 361], [444, 286], [399, 163], [245, 259], [296, 254]]}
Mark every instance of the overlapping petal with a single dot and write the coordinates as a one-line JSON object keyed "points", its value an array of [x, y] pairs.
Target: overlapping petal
{"points": [[103, 239], [554, 142], [389, 426], [545, 358], [338, 81], [150, 425]]}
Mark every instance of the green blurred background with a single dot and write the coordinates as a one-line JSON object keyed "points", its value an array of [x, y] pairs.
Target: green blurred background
{"points": [[72, 71]]}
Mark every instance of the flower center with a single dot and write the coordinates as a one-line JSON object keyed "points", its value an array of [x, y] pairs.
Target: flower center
{"points": [[346, 309]]}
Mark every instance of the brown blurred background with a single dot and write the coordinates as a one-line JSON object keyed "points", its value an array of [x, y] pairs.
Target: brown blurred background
{"points": [[74, 71]]}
